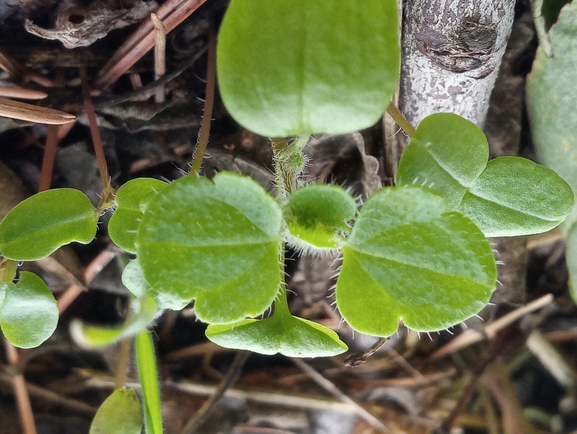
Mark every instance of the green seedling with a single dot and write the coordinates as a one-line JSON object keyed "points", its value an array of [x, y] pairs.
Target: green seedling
{"points": [[415, 253]]}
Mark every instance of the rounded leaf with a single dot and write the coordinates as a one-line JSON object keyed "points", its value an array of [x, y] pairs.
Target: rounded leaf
{"points": [[120, 413], [131, 201], [447, 153], [514, 196], [409, 258], [317, 214], [133, 279], [509, 196], [28, 312], [320, 66], [39, 225], [284, 334], [216, 242]]}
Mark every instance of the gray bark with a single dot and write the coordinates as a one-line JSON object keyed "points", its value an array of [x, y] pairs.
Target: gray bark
{"points": [[452, 50]]}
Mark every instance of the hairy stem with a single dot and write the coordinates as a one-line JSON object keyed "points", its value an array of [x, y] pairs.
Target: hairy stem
{"points": [[204, 132]]}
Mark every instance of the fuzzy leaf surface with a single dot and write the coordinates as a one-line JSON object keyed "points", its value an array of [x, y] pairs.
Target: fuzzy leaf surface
{"points": [[28, 311], [509, 196], [284, 334], [41, 224], [213, 241], [320, 66], [318, 213], [411, 258], [131, 201], [515, 196], [120, 413]]}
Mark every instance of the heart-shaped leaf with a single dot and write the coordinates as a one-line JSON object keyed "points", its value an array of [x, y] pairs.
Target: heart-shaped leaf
{"points": [[144, 312], [217, 242], [317, 215], [131, 201], [508, 196], [515, 196], [38, 226], [120, 413], [279, 333], [320, 66], [28, 311], [410, 258]]}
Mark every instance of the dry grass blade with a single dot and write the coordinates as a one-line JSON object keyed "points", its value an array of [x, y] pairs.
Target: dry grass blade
{"points": [[172, 13], [20, 92], [31, 113]]}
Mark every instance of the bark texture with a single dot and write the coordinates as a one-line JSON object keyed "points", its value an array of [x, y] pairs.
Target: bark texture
{"points": [[452, 50]]}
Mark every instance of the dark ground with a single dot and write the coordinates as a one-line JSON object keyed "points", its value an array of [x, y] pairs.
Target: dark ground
{"points": [[508, 382]]}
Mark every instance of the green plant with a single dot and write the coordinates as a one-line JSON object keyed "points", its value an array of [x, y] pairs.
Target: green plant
{"points": [[416, 252], [551, 99]]}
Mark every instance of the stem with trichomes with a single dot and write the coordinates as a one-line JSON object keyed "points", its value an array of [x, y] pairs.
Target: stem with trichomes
{"points": [[289, 165], [204, 132]]}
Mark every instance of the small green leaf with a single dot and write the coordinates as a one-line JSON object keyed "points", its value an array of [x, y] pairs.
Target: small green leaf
{"points": [[284, 334], [144, 312], [508, 196], [131, 200], [133, 279], [447, 153], [410, 258], [216, 242], [28, 311], [38, 226], [320, 66], [317, 214], [148, 375], [514, 196], [120, 413]]}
